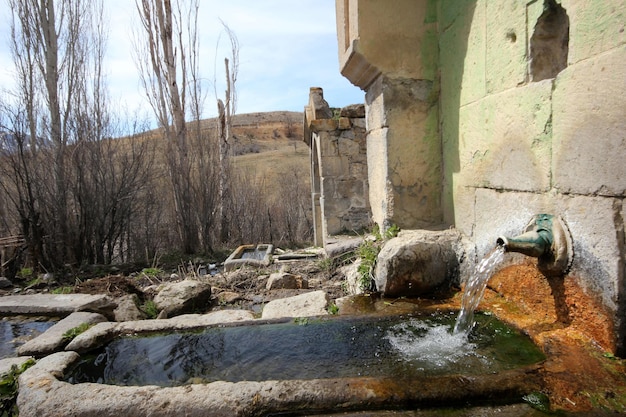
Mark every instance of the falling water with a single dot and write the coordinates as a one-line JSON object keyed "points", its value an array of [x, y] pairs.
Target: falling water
{"points": [[475, 288]]}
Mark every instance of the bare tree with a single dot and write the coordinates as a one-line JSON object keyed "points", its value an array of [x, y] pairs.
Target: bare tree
{"points": [[52, 45], [226, 110], [163, 51]]}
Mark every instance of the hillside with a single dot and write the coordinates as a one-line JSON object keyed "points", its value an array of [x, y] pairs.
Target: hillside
{"points": [[267, 145], [270, 145]]}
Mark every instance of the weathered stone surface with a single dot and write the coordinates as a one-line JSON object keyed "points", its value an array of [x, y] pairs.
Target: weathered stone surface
{"points": [[506, 140], [5, 282], [52, 340], [592, 221], [304, 305], [589, 121], [353, 111], [183, 297], [285, 280], [42, 394], [52, 304], [352, 277], [506, 63], [127, 309], [596, 28], [104, 332], [417, 262]]}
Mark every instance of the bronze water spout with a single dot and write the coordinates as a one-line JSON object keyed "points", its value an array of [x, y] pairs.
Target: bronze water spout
{"points": [[547, 238]]}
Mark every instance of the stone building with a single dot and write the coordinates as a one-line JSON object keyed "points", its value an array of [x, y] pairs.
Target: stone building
{"points": [[338, 168], [482, 113]]}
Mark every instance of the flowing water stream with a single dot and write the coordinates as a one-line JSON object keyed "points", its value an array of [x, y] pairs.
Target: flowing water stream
{"points": [[475, 288]]}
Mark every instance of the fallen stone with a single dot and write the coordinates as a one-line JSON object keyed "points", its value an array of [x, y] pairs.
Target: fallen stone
{"points": [[417, 262], [286, 281], [5, 282], [304, 305], [182, 297], [52, 340], [127, 309], [228, 297], [102, 333], [51, 304]]}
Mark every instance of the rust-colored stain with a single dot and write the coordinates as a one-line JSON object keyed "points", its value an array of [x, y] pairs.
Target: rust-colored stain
{"points": [[571, 327]]}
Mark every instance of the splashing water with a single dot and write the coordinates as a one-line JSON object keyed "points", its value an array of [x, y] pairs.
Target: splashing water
{"points": [[429, 345], [475, 288]]}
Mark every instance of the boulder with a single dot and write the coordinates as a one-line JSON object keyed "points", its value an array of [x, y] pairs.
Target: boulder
{"points": [[417, 262], [182, 297], [127, 309], [304, 305], [5, 282], [286, 281]]}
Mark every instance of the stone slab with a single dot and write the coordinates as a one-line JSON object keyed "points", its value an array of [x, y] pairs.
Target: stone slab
{"points": [[52, 339], [106, 331], [309, 304], [50, 304], [589, 126]]}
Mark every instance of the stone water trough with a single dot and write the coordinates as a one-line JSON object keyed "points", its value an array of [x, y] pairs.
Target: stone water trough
{"points": [[253, 255], [45, 390]]}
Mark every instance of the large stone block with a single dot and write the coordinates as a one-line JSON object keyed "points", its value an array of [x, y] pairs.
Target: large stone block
{"points": [[589, 126], [595, 27], [504, 140], [304, 305], [595, 226], [418, 262], [463, 47], [506, 62]]}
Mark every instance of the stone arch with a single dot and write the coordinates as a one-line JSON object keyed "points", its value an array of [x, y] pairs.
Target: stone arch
{"points": [[549, 43]]}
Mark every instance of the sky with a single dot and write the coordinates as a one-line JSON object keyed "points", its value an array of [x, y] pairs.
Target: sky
{"points": [[285, 47]]}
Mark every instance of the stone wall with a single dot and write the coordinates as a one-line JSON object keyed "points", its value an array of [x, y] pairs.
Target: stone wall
{"points": [[338, 168], [395, 61], [514, 147], [517, 109]]}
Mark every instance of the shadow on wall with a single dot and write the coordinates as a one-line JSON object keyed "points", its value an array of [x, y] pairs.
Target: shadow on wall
{"points": [[455, 23]]}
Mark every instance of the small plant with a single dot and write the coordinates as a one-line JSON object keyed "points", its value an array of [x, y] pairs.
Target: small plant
{"points": [[301, 321], [368, 253], [151, 272], [333, 309], [9, 387], [150, 309], [63, 290], [25, 273], [75, 331]]}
